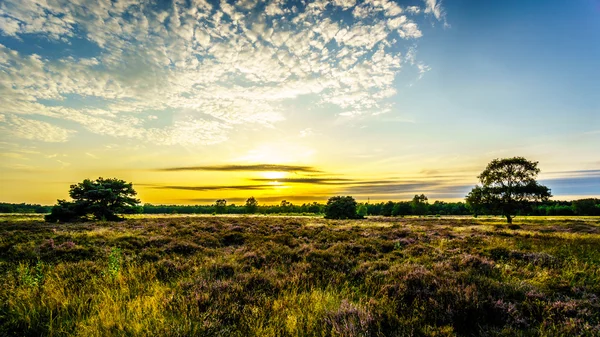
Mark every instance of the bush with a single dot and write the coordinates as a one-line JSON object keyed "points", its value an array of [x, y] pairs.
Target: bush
{"points": [[65, 211], [340, 207]]}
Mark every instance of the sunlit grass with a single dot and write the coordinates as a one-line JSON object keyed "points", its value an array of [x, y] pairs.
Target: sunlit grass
{"points": [[301, 276]]}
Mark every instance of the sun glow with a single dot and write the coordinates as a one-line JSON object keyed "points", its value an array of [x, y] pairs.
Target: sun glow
{"points": [[274, 175]]}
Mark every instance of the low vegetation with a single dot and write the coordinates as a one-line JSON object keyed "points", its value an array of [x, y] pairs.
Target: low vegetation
{"points": [[301, 276], [581, 207]]}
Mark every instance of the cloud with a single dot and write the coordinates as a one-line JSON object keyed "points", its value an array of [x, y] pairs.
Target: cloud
{"points": [[575, 174], [306, 132], [30, 129], [312, 181], [214, 188], [203, 69], [434, 7], [255, 167], [577, 185], [269, 199]]}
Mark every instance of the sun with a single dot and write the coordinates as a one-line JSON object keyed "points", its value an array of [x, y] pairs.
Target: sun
{"points": [[273, 174]]}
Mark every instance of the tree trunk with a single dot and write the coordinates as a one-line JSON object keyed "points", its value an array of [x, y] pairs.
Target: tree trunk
{"points": [[508, 219]]}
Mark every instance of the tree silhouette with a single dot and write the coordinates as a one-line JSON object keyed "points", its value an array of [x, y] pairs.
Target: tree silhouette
{"points": [[220, 206], [251, 205], [419, 204], [507, 186], [341, 208], [101, 198]]}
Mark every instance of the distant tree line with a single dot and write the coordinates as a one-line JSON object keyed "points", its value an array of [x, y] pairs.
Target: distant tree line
{"points": [[584, 207], [221, 207], [23, 208]]}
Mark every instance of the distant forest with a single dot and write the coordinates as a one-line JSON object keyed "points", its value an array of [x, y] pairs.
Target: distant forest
{"points": [[587, 207]]}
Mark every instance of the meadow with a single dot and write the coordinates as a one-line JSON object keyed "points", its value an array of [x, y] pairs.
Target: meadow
{"points": [[300, 276]]}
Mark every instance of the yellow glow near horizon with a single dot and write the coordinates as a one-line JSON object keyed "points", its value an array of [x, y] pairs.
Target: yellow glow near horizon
{"points": [[274, 174]]}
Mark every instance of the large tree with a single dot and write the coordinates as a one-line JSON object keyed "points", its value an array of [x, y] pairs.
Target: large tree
{"points": [[507, 186], [101, 198]]}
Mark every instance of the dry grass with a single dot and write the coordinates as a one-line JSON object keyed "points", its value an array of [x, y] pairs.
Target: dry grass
{"points": [[301, 276]]}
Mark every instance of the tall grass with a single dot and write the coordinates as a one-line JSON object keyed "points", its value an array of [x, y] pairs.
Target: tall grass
{"points": [[261, 276]]}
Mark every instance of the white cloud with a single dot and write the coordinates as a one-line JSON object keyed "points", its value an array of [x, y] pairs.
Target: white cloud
{"points": [[434, 7], [202, 69], [9, 26], [413, 9], [14, 126], [306, 132], [274, 8]]}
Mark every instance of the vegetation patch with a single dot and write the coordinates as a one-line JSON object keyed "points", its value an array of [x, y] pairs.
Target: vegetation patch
{"points": [[277, 276]]}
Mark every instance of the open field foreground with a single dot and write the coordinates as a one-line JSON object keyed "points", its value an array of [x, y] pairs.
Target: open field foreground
{"points": [[301, 276]]}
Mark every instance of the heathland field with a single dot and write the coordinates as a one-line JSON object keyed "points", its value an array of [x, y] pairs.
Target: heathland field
{"points": [[300, 276]]}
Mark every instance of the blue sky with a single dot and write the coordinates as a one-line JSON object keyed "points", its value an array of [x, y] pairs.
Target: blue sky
{"points": [[391, 98]]}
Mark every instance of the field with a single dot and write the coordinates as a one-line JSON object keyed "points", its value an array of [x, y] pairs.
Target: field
{"points": [[300, 276]]}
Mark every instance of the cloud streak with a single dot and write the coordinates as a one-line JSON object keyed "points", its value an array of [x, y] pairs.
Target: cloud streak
{"points": [[311, 181], [213, 188], [256, 167]]}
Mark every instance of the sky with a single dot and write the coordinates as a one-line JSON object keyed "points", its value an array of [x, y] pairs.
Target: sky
{"points": [[196, 100]]}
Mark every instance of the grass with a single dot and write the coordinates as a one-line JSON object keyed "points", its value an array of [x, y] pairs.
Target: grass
{"points": [[301, 276]]}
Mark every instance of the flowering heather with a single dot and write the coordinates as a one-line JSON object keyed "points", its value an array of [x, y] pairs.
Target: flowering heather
{"points": [[301, 276]]}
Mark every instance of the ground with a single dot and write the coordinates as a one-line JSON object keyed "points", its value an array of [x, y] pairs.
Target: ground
{"points": [[300, 276]]}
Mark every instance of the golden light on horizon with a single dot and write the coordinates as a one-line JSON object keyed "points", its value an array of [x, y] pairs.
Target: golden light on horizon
{"points": [[274, 174]]}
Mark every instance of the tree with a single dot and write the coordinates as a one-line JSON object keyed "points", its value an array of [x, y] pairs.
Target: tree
{"points": [[285, 206], [220, 206], [340, 207], [507, 186], [401, 208], [419, 204], [387, 208], [251, 205], [589, 206], [362, 210], [101, 198]]}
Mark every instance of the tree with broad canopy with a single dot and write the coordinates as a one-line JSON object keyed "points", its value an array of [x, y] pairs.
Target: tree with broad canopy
{"points": [[507, 186], [101, 198], [340, 207]]}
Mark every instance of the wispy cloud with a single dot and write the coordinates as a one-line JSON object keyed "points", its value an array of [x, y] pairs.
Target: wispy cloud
{"points": [[201, 68], [256, 167], [212, 188], [575, 173], [574, 185], [268, 199], [326, 181]]}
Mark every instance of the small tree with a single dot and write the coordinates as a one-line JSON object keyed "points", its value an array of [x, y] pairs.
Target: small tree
{"points": [[419, 204], [507, 186], [341, 208], [251, 205], [221, 206], [101, 198]]}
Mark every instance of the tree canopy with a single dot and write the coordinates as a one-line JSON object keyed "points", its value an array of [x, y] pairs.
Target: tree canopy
{"points": [[507, 186], [101, 198], [251, 205], [340, 207]]}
